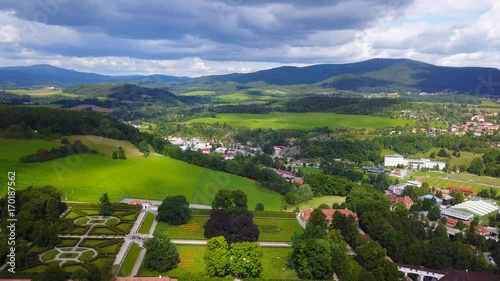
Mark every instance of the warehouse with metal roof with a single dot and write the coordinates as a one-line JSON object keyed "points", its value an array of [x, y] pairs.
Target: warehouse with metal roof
{"points": [[478, 208]]}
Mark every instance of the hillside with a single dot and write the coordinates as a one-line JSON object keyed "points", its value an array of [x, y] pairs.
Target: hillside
{"points": [[47, 75], [377, 75]]}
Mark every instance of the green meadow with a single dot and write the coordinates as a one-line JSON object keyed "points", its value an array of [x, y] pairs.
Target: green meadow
{"points": [[198, 93], [240, 97], [301, 121], [316, 201], [86, 177]]}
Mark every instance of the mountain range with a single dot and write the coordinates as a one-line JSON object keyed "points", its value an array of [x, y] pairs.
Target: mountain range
{"points": [[373, 75]]}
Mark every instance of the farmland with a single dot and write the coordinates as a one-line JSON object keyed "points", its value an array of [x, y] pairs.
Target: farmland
{"points": [[86, 177], [198, 93], [43, 92], [241, 97], [301, 121]]}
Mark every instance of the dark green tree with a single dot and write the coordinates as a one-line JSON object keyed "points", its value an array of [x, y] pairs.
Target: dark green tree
{"points": [[161, 253], [259, 207], [246, 260], [121, 153], [174, 210], [106, 208], [317, 218]]}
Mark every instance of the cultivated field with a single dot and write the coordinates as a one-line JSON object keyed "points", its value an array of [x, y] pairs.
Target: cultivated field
{"points": [[241, 97], [301, 121], [86, 177]]}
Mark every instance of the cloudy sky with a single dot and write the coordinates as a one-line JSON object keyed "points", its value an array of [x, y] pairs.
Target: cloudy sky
{"points": [[203, 37]]}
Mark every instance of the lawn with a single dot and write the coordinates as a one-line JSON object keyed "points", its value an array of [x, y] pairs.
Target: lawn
{"points": [[192, 230], [277, 229], [476, 179], [302, 121], [148, 222], [270, 229], [316, 201], [129, 262], [275, 261], [310, 170], [85, 177], [191, 260]]}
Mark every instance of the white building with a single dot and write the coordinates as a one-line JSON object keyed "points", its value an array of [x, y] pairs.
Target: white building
{"points": [[417, 164]]}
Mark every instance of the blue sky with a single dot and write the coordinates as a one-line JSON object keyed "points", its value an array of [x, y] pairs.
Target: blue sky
{"points": [[204, 37]]}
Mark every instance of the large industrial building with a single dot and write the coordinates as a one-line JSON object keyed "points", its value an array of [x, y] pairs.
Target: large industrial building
{"points": [[414, 164], [470, 209]]}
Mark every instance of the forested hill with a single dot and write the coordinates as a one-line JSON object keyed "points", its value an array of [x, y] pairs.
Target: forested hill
{"points": [[47, 75], [379, 75], [29, 122]]}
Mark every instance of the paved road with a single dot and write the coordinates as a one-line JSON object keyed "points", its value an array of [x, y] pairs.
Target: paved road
{"points": [[204, 242], [157, 203]]}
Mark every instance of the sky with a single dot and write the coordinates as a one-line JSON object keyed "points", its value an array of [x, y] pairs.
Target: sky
{"points": [[205, 37]]}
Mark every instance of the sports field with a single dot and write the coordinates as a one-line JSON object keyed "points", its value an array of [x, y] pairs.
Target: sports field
{"points": [[86, 177], [301, 121], [444, 183]]}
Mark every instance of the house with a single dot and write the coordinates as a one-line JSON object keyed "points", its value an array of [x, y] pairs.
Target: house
{"points": [[144, 204], [229, 156], [406, 201], [206, 150], [304, 216], [285, 174], [451, 221]]}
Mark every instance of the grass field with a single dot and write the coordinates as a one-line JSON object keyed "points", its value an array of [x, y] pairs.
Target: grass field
{"points": [[464, 159], [148, 222], [488, 103], [476, 179], [86, 177], [301, 121], [275, 264], [191, 260], [42, 92], [129, 262], [444, 183], [107, 146], [270, 229], [277, 229], [241, 97], [316, 201], [311, 170], [192, 230], [198, 93]]}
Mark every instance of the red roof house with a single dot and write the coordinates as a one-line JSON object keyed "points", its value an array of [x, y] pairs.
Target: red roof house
{"points": [[328, 213], [405, 201]]}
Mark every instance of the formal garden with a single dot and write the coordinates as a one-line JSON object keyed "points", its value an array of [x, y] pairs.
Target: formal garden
{"points": [[73, 251]]}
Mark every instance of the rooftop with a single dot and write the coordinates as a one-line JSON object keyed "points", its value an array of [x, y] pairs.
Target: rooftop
{"points": [[478, 208]]}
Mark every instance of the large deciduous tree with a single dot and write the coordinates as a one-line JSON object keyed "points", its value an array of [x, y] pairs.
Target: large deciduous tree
{"points": [[246, 260], [174, 210], [217, 257], [317, 218], [161, 253]]}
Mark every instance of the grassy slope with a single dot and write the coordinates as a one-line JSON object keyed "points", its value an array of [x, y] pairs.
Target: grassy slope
{"points": [[301, 121], [86, 177], [198, 93], [107, 146]]}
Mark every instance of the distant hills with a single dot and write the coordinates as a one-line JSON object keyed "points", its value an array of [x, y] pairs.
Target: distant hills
{"points": [[379, 75], [46, 75], [376, 75]]}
